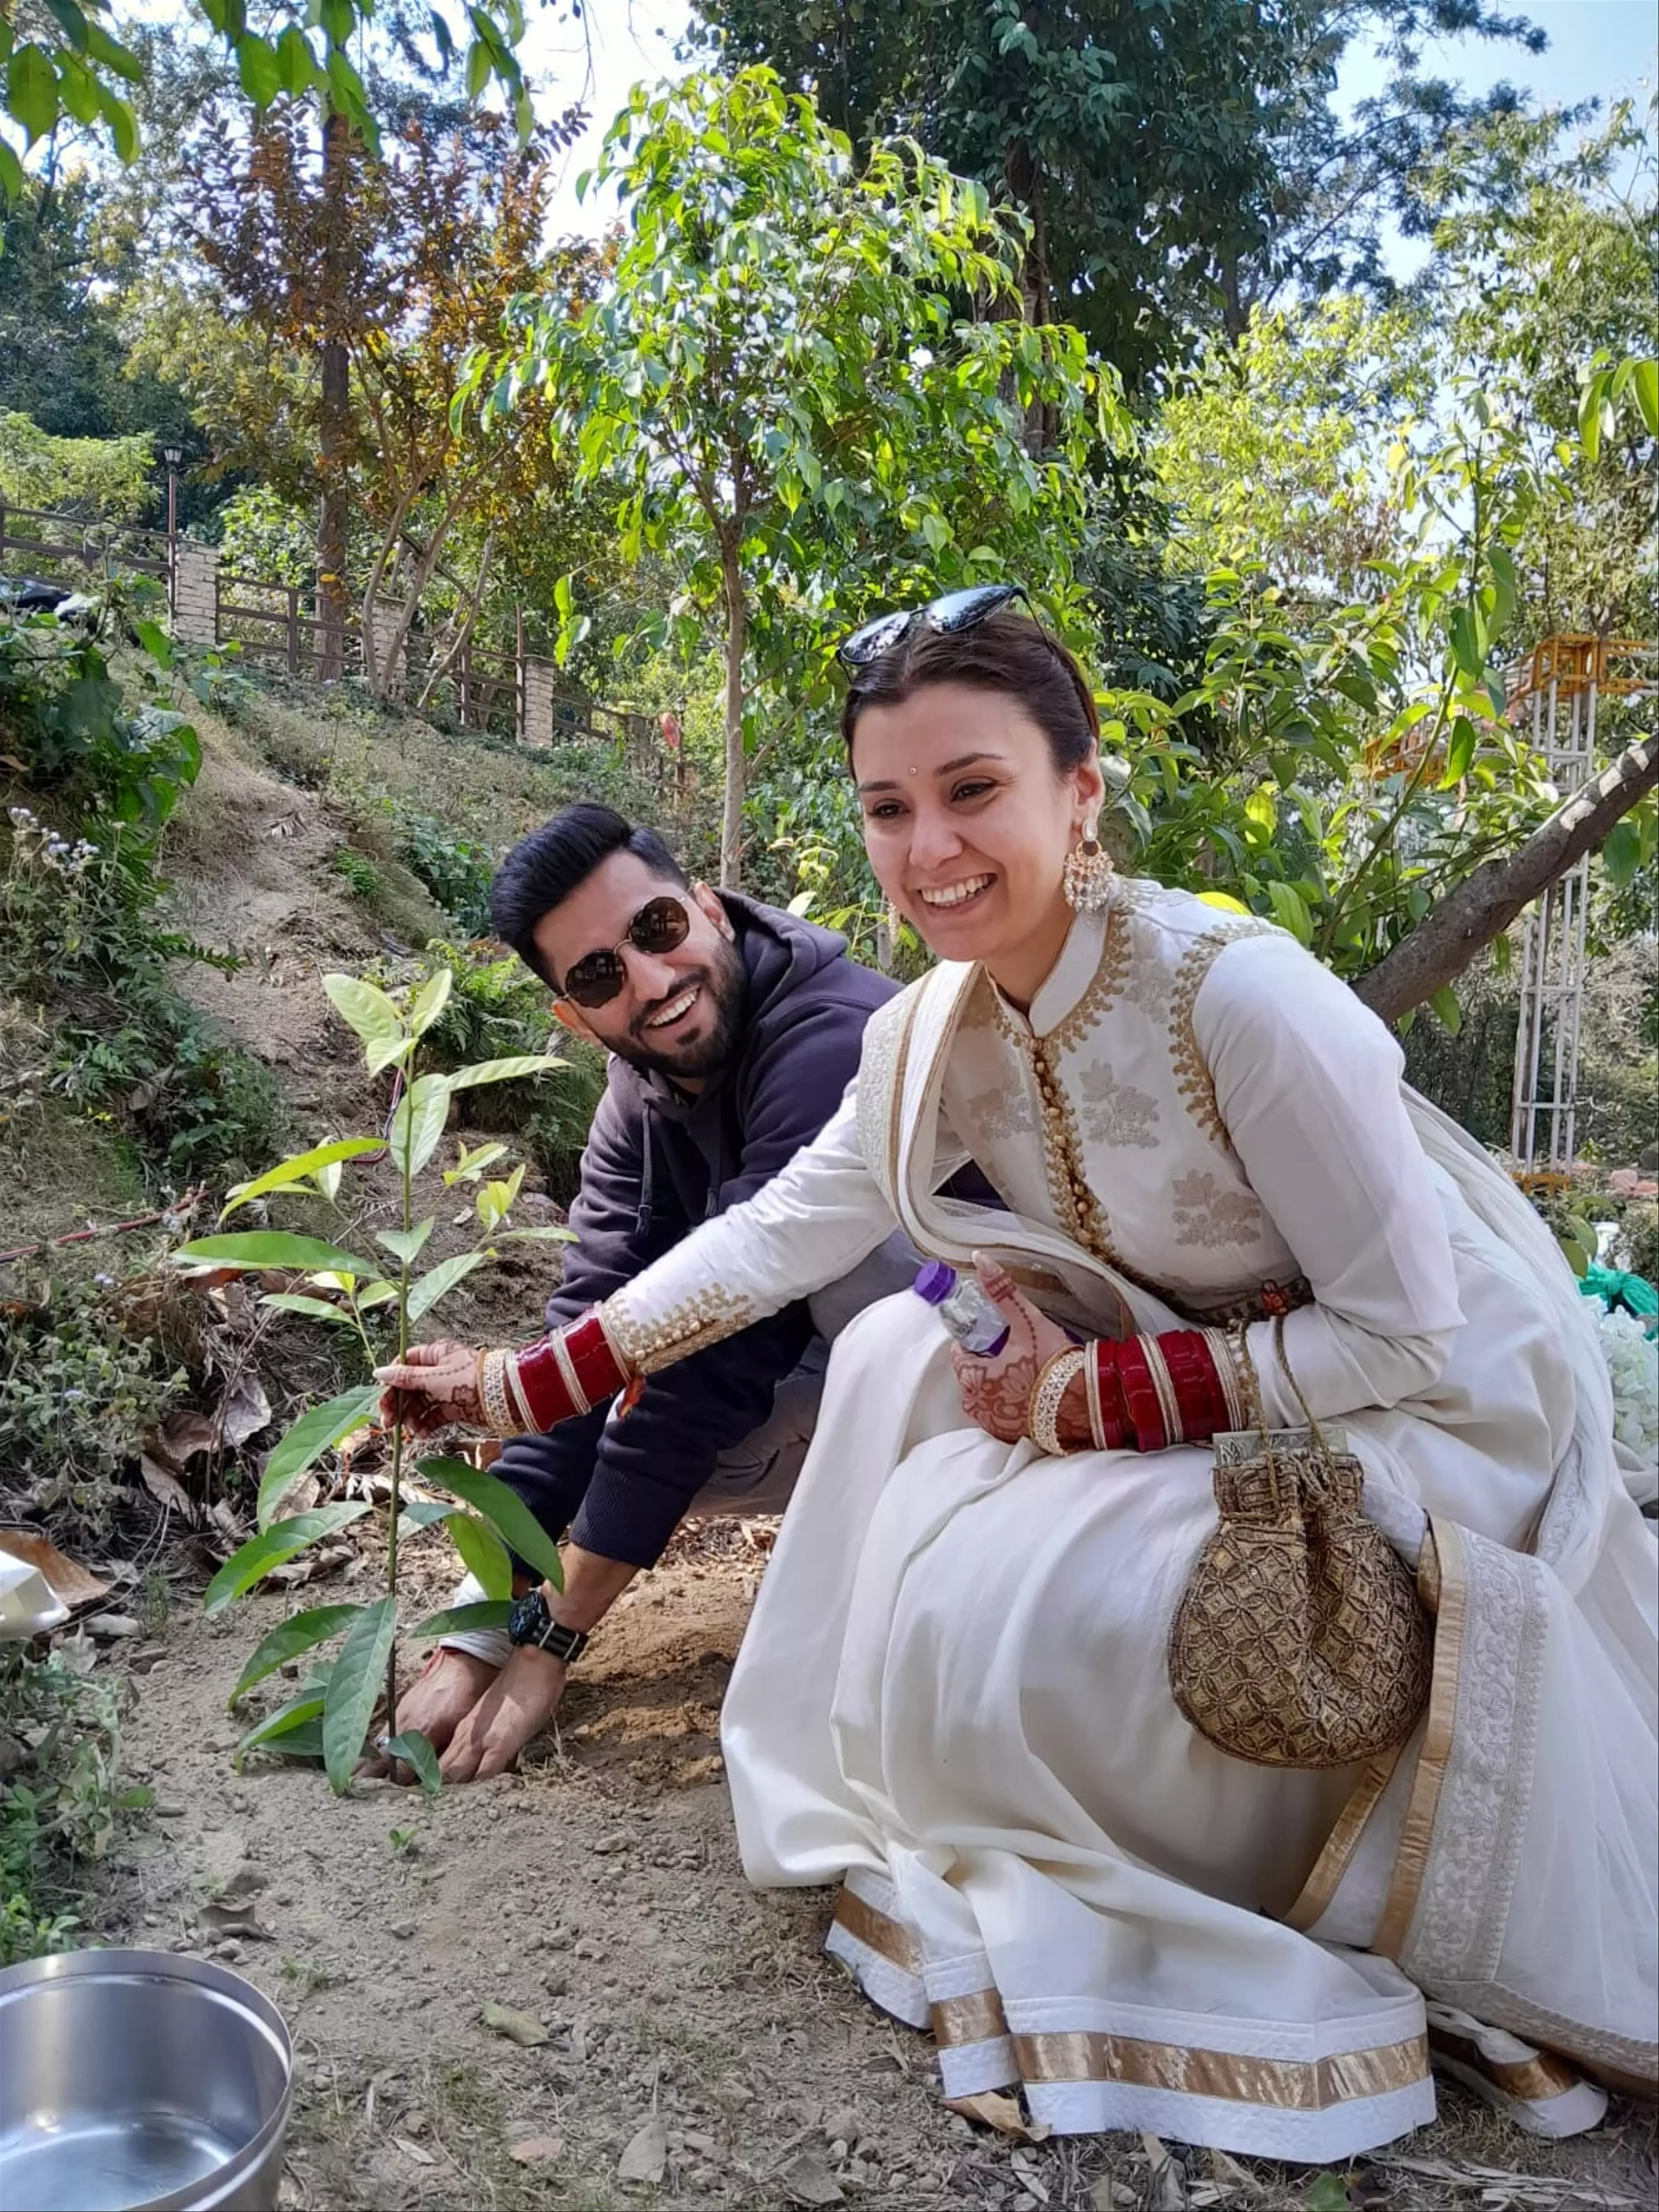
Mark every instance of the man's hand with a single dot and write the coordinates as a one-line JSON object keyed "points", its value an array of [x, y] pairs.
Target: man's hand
{"points": [[517, 1704], [996, 1394], [434, 1387], [436, 1704]]}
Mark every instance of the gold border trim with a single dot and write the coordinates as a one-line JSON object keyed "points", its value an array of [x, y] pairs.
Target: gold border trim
{"points": [[978, 2018], [1411, 1857], [1534, 2081], [878, 1931], [1334, 1860], [1287, 2084]]}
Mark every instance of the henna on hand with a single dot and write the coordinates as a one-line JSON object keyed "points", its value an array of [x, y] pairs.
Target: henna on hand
{"points": [[434, 1386], [996, 1394]]}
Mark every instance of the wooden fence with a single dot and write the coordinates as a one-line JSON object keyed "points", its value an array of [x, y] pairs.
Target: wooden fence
{"points": [[34, 539]]}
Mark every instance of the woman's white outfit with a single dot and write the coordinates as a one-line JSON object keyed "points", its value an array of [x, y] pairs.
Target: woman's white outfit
{"points": [[954, 1690]]}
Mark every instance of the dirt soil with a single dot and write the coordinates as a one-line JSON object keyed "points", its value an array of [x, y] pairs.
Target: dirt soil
{"points": [[598, 1892]]}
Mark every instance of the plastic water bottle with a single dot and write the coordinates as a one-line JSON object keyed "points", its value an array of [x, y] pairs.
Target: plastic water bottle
{"points": [[961, 1304]]}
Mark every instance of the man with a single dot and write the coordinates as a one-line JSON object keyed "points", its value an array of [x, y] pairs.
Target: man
{"points": [[734, 1030]]}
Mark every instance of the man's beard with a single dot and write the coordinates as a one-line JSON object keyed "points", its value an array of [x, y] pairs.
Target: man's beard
{"points": [[721, 1010]]}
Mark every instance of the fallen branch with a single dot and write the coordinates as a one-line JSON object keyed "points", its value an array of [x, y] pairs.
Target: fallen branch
{"points": [[179, 1213], [1486, 901]]}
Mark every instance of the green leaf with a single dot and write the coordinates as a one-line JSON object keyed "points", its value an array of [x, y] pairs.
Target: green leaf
{"points": [[295, 1714], [503, 1071], [314, 1309], [100, 48], [430, 1001], [418, 1124], [1327, 2192], [156, 642], [424, 1513], [1447, 1012], [1225, 900], [259, 70], [439, 1281], [71, 21], [505, 1510], [295, 63], [1466, 645], [416, 1751], [254, 1560], [1621, 854], [1290, 911], [11, 173], [381, 1053], [368, 1010], [300, 1633], [1644, 382], [274, 1248], [123, 123], [484, 1554], [1591, 401], [459, 1619], [1460, 753], [550, 1232], [31, 90], [299, 1169], [406, 1244], [358, 1677], [312, 1435]]}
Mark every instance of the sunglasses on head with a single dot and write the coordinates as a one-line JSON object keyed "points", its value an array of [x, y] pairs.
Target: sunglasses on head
{"points": [[951, 613], [660, 925]]}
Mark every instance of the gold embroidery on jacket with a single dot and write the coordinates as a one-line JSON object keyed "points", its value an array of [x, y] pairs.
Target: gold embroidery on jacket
{"points": [[1193, 1079], [659, 1341]]}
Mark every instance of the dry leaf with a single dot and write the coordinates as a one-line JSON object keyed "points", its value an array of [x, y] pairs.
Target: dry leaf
{"points": [[244, 1410], [413, 2150], [992, 2109], [301, 1499], [810, 2181], [536, 2150], [182, 1434], [312, 1565], [519, 2027], [234, 1919], [71, 1584], [167, 1490], [646, 2158]]}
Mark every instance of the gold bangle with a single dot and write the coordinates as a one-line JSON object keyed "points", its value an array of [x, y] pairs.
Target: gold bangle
{"points": [[1055, 1380], [515, 1391], [1174, 1429], [492, 1389], [1221, 1352]]}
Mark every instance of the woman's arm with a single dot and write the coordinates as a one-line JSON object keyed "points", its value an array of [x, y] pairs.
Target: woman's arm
{"points": [[1308, 1084]]}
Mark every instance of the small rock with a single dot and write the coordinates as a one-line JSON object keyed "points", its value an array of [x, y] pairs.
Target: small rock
{"points": [[230, 1949], [557, 1983], [843, 2123], [322, 2080], [1024, 2202], [402, 1929], [619, 1842], [588, 1948], [147, 1658], [703, 2144], [239, 1803], [557, 1939], [111, 1627], [517, 2027], [537, 2150], [646, 2158], [809, 2181], [169, 1812]]}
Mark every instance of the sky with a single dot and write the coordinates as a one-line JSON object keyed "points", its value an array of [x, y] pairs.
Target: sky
{"points": [[1604, 49]]}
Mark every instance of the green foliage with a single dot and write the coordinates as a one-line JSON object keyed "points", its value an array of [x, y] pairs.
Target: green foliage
{"points": [[1639, 1240], [331, 1716], [456, 871], [69, 730], [96, 479], [79, 1391], [777, 381], [63, 1800]]}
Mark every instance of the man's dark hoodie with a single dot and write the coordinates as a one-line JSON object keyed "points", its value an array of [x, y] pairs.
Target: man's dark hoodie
{"points": [[656, 1165]]}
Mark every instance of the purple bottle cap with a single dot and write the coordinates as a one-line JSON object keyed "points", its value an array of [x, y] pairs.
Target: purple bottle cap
{"points": [[935, 1282]]}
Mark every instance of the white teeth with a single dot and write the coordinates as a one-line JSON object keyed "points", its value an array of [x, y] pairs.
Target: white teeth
{"points": [[954, 894], [674, 1009]]}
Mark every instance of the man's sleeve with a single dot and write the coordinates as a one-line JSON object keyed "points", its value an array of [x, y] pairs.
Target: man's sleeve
{"points": [[650, 1466]]}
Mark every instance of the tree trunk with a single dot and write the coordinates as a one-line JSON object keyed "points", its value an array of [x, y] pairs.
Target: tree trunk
{"points": [[1486, 902], [737, 628], [335, 417]]}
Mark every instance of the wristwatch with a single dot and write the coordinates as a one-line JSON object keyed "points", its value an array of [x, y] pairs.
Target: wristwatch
{"points": [[530, 1622]]}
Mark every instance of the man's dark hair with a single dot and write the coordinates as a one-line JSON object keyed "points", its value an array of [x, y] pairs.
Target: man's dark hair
{"points": [[543, 869]]}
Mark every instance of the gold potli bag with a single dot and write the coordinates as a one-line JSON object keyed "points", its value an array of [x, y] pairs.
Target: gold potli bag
{"points": [[1300, 1639]]}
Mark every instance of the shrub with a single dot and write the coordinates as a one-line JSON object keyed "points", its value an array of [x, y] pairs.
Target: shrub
{"points": [[59, 1750], [457, 872], [1639, 1240]]}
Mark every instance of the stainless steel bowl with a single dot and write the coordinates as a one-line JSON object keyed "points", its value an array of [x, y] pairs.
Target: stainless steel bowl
{"points": [[139, 2082]]}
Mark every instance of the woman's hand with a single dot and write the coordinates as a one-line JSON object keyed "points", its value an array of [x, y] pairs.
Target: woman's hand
{"points": [[434, 1387], [997, 1392]]}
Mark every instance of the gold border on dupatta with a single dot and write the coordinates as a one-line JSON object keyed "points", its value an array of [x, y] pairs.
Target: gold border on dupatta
{"points": [[1443, 1579], [1534, 2081], [1334, 1860], [1305, 2084], [878, 1932]]}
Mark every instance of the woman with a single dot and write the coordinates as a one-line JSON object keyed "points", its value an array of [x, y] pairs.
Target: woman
{"points": [[954, 1693]]}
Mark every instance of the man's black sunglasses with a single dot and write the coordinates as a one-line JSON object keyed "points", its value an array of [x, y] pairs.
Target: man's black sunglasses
{"points": [[660, 925], [952, 613]]}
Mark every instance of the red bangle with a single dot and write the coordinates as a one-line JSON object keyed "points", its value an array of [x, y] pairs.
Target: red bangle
{"points": [[569, 1373], [1197, 1386], [1114, 1434], [1141, 1397]]}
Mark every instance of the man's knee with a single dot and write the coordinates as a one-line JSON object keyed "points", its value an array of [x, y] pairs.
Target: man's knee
{"points": [[892, 1266]]}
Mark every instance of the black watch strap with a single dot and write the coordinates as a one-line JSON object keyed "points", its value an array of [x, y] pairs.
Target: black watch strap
{"points": [[566, 1643]]}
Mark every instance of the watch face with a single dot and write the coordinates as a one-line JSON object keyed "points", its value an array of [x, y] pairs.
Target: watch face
{"points": [[529, 1618]]}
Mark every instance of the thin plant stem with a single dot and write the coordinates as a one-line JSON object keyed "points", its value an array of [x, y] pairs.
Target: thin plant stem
{"points": [[398, 1425]]}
